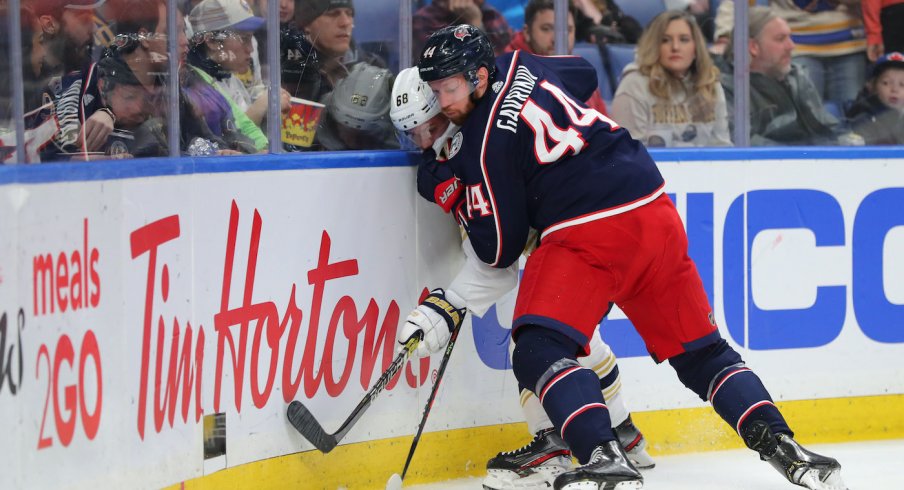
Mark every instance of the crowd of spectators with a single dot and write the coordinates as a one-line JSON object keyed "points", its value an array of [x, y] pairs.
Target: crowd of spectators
{"points": [[96, 73]]}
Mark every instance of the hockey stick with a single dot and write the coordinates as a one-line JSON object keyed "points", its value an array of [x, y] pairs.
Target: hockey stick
{"points": [[304, 422], [433, 391]]}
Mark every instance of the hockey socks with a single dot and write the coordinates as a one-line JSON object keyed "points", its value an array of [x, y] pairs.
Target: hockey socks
{"points": [[717, 374], [570, 394]]}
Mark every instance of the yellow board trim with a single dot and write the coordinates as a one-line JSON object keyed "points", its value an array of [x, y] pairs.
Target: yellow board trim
{"points": [[461, 453]]}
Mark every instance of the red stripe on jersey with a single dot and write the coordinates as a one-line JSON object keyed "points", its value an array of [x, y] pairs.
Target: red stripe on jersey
{"points": [[483, 152], [604, 213]]}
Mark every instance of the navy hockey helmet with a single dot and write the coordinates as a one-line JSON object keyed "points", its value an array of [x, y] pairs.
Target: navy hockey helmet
{"points": [[456, 49]]}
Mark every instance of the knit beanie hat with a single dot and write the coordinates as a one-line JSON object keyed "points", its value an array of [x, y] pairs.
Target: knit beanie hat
{"points": [[308, 10]]}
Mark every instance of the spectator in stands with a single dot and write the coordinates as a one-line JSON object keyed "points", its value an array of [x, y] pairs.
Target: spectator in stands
{"points": [[356, 116], [140, 42], [883, 20], [785, 107], [68, 30], [222, 47], [604, 21], [671, 95], [538, 37], [122, 92], [34, 69], [329, 25], [830, 44], [442, 13], [40, 123], [878, 114], [300, 65]]}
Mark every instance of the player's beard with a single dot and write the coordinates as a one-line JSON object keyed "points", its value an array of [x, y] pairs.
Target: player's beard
{"points": [[459, 118]]}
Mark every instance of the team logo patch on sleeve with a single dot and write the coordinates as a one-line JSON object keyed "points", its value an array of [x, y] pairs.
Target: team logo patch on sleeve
{"points": [[456, 144]]}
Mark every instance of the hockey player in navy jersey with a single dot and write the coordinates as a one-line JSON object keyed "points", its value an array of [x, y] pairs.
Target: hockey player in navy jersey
{"points": [[529, 154], [415, 112]]}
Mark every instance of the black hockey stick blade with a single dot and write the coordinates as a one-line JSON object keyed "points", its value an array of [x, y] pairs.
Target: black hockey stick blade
{"points": [[304, 422], [307, 425], [433, 391]]}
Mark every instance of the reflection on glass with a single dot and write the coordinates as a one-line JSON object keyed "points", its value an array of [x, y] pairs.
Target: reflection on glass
{"points": [[347, 64]]}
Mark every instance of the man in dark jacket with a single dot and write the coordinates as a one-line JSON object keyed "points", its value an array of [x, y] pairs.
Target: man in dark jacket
{"points": [[785, 107]]}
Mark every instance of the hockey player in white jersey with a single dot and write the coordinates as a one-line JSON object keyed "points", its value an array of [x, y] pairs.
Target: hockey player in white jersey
{"points": [[416, 114]]}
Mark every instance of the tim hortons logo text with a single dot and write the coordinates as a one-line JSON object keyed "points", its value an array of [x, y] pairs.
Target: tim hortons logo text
{"points": [[265, 325]]}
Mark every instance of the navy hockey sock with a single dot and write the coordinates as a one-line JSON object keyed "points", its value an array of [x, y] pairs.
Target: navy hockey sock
{"points": [[544, 360], [716, 373]]}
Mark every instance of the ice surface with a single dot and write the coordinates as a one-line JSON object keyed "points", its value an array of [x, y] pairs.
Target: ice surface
{"points": [[875, 465]]}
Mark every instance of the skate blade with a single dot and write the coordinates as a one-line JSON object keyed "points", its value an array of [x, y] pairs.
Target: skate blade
{"points": [[592, 485], [541, 479], [641, 460], [811, 480]]}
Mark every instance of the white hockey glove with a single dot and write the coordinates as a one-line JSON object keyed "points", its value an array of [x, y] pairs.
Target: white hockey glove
{"points": [[434, 319]]}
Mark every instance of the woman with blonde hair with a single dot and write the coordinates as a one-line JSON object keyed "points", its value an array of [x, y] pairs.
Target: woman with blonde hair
{"points": [[671, 94]]}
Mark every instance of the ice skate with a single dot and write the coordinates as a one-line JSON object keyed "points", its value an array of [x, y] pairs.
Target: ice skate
{"points": [[632, 440], [608, 469], [800, 466], [532, 466]]}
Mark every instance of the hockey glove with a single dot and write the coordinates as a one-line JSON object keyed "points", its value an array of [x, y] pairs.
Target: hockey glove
{"points": [[436, 182], [434, 318]]}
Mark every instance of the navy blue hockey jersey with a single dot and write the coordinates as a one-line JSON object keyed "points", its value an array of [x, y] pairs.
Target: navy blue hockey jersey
{"points": [[532, 155]]}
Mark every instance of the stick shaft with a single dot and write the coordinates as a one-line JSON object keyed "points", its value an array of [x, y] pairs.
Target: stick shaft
{"points": [[307, 425], [433, 391]]}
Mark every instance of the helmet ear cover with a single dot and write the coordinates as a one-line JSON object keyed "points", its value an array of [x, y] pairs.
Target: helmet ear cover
{"points": [[454, 50]]}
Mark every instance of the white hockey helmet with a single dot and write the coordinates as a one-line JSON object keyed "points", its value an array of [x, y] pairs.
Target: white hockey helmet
{"points": [[413, 103]]}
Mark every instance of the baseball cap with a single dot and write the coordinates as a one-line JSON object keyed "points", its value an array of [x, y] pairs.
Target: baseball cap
{"points": [[218, 15], [55, 7], [308, 10], [889, 60]]}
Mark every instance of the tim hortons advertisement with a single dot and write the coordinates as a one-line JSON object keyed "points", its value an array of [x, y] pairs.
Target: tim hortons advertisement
{"points": [[141, 318]]}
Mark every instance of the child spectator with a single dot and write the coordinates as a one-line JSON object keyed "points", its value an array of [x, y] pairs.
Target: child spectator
{"points": [[538, 37], [878, 114], [671, 95], [222, 48], [356, 116], [442, 13], [883, 20], [299, 64]]}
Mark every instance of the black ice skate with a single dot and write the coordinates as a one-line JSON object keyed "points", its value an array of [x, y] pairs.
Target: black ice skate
{"points": [[630, 438], [800, 466], [608, 469], [533, 466]]}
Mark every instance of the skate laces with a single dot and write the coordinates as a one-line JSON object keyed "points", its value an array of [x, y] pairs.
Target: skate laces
{"points": [[538, 439], [596, 456]]}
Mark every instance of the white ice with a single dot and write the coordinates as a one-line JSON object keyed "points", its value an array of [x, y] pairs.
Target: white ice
{"points": [[875, 465]]}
